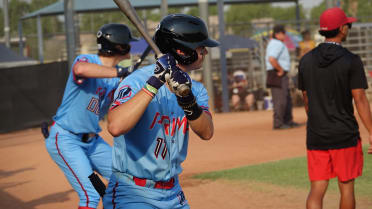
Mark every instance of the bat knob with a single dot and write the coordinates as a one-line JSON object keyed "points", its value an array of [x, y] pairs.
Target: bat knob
{"points": [[184, 90]]}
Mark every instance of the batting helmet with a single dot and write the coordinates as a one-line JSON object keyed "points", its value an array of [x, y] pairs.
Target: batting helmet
{"points": [[184, 32], [113, 39]]}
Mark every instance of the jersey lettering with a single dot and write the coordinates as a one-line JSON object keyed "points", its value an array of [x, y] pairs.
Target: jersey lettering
{"points": [[165, 121], [93, 105], [158, 147]]}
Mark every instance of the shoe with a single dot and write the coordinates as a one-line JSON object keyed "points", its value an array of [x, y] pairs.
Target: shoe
{"points": [[293, 124], [284, 126]]}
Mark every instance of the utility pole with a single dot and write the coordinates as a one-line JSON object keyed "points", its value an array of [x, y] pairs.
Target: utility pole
{"points": [[221, 24], [164, 8], [70, 31], [207, 65], [6, 24]]}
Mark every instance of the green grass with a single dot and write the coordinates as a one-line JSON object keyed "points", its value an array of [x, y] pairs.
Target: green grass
{"points": [[289, 173]]}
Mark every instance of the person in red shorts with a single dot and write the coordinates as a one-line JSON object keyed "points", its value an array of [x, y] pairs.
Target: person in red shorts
{"points": [[330, 77]]}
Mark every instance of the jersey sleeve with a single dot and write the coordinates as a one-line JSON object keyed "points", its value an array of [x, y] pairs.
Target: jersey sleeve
{"points": [[202, 97], [126, 90], [274, 49], [358, 78], [81, 58]]}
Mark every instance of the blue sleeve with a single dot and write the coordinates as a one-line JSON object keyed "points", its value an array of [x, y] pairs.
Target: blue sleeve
{"points": [[274, 49], [201, 95], [126, 90], [81, 58]]}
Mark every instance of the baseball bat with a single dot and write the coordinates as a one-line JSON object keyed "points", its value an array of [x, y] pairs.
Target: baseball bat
{"points": [[126, 7]]}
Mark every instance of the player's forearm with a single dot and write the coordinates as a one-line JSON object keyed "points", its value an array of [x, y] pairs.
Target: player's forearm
{"points": [[275, 64], [364, 111], [125, 116], [203, 126], [91, 70]]}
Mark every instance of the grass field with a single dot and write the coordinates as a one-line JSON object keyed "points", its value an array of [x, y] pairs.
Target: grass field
{"points": [[289, 173]]}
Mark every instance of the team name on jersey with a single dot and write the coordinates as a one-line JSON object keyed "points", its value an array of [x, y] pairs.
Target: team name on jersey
{"points": [[170, 126]]}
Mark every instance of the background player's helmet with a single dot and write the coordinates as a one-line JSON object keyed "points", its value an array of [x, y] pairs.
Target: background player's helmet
{"points": [[113, 39], [184, 32]]}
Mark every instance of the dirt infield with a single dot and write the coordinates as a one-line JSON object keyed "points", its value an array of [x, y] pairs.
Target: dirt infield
{"points": [[30, 180]]}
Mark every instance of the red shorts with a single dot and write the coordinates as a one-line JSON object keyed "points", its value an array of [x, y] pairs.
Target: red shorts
{"points": [[346, 163]]}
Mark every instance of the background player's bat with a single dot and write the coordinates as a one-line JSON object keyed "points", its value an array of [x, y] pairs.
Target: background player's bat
{"points": [[130, 12], [98, 185]]}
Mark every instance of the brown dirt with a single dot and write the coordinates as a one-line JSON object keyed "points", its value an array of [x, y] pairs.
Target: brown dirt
{"points": [[29, 179]]}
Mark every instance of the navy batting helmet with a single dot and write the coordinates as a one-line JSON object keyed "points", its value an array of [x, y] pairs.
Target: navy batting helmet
{"points": [[113, 39], [184, 32]]}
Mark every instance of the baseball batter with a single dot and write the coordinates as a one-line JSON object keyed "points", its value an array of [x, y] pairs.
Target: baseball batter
{"points": [[151, 121], [74, 143]]}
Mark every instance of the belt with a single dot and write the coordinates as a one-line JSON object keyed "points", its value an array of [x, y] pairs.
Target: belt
{"points": [[157, 184], [85, 137], [285, 72], [148, 182]]}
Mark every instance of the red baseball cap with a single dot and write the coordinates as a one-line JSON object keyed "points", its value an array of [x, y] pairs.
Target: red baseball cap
{"points": [[333, 18]]}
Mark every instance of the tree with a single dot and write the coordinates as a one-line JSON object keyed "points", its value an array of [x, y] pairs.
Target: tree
{"points": [[363, 12], [239, 15]]}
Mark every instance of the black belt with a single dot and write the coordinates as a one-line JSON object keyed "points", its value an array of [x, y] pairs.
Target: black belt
{"points": [[285, 72], [86, 136]]}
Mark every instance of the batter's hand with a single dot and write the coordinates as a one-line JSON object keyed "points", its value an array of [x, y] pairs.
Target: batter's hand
{"points": [[178, 82], [164, 66]]}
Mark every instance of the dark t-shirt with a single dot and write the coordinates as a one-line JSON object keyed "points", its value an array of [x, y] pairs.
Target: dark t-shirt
{"points": [[328, 73]]}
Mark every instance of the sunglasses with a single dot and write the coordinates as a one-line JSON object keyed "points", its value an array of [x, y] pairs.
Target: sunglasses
{"points": [[349, 25]]}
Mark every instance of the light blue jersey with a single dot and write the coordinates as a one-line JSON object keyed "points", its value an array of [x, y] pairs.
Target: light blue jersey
{"points": [[84, 104], [147, 160], [155, 148], [279, 51]]}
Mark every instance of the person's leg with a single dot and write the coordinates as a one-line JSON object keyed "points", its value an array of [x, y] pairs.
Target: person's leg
{"points": [[249, 102], [235, 100], [100, 155], [68, 153], [279, 103], [320, 170], [316, 194], [348, 163], [287, 116], [347, 200]]}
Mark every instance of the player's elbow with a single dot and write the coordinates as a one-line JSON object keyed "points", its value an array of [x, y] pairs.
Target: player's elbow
{"points": [[206, 135], [114, 129], [79, 69]]}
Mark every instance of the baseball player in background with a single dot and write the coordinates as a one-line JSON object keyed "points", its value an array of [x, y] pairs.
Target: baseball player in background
{"points": [[150, 119], [73, 142], [330, 77]]}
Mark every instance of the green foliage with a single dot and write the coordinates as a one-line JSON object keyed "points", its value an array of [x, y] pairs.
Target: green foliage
{"points": [[291, 173], [248, 12], [316, 11], [238, 16], [364, 10]]}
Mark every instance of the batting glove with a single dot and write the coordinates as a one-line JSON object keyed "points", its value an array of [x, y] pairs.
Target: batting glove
{"points": [[164, 66], [178, 82], [123, 72]]}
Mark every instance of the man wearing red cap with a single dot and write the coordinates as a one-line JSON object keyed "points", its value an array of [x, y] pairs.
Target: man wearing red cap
{"points": [[330, 77]]}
